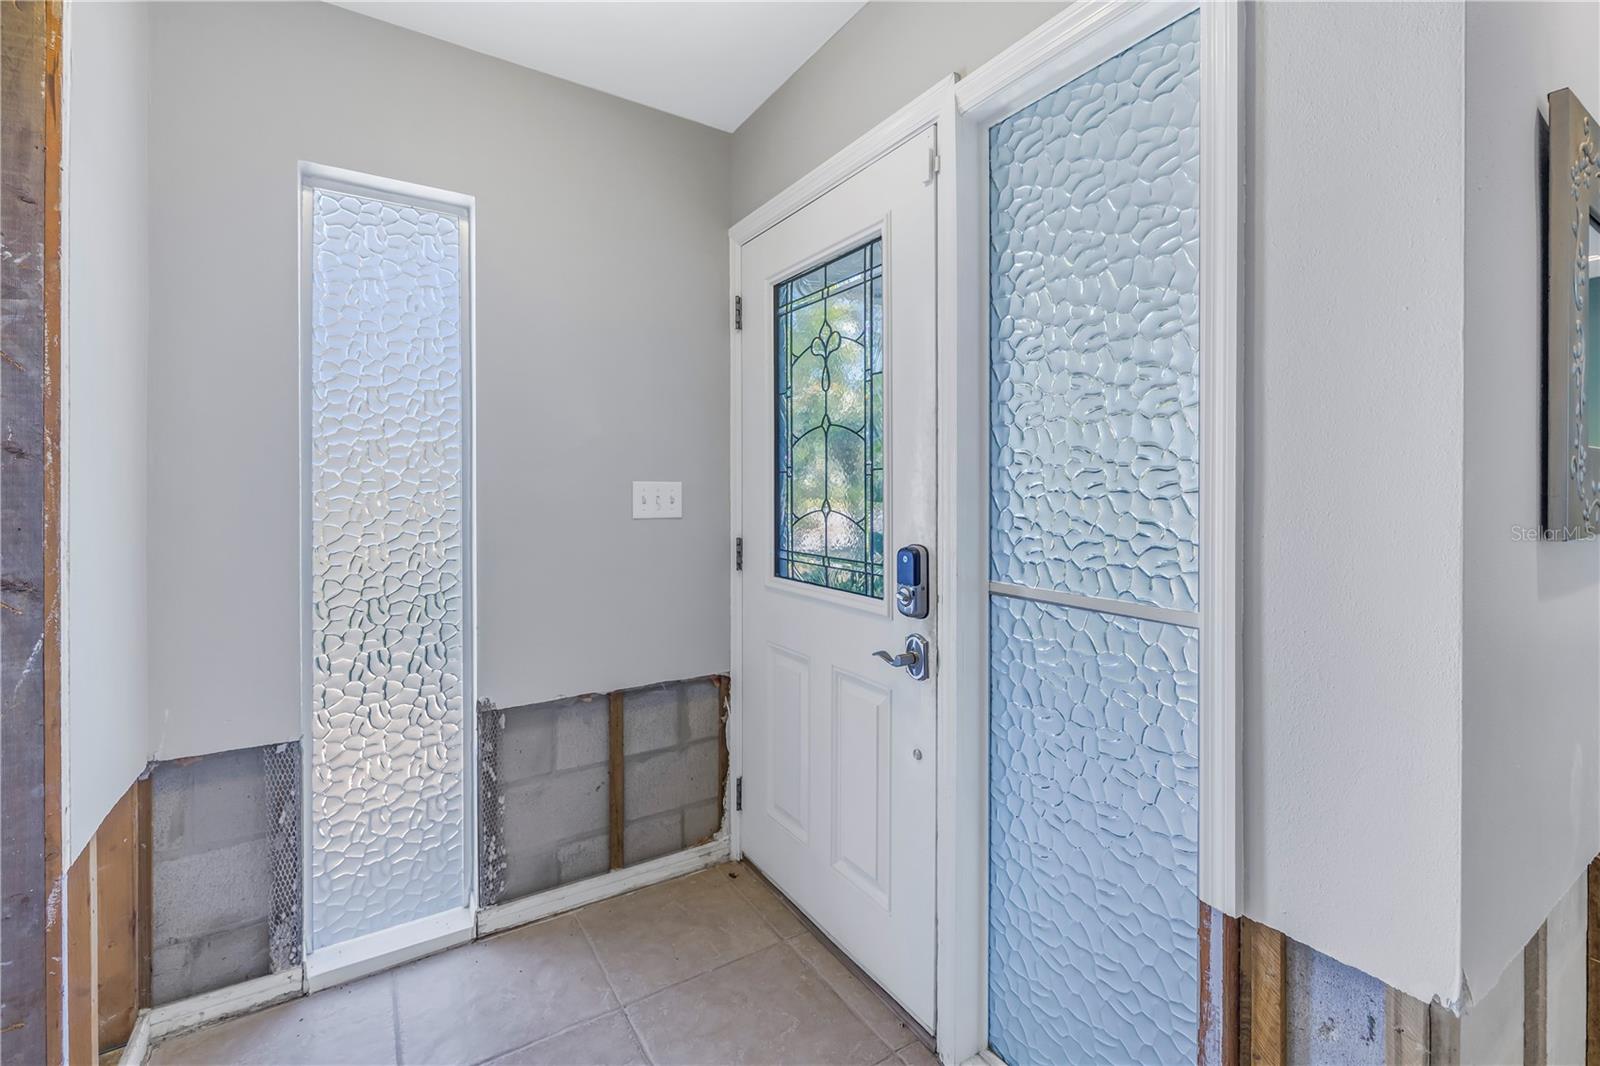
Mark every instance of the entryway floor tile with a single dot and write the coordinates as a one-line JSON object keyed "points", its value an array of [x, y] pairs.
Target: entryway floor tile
{"points": [[711, 969]]}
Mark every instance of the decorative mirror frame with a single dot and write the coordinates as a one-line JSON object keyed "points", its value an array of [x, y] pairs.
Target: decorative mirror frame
{"points": [[1571, 466]]}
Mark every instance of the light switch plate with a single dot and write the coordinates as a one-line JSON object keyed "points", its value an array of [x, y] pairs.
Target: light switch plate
{"points": [[658, 499]]}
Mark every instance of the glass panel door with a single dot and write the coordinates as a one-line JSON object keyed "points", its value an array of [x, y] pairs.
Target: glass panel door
{"points": [[1094, 567], [388, 596]]}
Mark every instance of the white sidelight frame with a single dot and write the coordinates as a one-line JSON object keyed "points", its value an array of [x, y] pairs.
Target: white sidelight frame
{"points": [[394, 945], [1076, 40]]}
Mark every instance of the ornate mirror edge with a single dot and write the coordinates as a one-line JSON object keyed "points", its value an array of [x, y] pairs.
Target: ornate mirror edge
{"points": [[1571, 494]]}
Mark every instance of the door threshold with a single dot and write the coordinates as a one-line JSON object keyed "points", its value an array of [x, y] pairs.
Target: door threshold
{"points": [[925, 1038]]}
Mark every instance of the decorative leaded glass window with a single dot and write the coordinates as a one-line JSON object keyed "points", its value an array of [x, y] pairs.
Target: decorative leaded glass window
{"points": [[829, 394]]}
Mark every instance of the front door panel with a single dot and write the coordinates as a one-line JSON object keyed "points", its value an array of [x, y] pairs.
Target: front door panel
{"points": [[837, 453]]}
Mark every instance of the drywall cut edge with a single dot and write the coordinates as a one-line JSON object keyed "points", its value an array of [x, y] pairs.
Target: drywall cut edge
{"points": [[387, 948], [520, 912]]}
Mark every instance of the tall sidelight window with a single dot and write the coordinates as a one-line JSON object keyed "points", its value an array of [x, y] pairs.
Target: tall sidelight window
{"points": [[386, 326], [1094, 564], [828, 347]]}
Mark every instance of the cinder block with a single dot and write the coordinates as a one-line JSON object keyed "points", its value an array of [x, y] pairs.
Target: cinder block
{"points": [[652, 719], [705, 710], [666, 780], [210, 891], [701, 822], [557, 807], [584, 858], [1335, 1012], [169, 972], [530, 873], [648, 838], [527, 743], [170, 785], [581, 732], [228, 800], [228, 957]]}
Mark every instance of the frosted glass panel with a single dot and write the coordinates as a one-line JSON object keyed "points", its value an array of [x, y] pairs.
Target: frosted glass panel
{"points": [[1094, 224], [388, 807], [1093, 805]]}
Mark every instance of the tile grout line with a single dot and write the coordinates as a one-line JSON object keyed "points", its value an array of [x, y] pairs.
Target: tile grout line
{"points": [[762, 882], [622, 1008], [394, 1006]]}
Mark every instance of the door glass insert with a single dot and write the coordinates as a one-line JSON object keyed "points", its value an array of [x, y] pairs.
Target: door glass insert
{"points": [[387, 410], [1095, 474], [828, 347]]}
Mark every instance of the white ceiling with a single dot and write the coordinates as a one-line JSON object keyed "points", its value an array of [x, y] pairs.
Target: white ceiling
{"points": [[711, 62]]}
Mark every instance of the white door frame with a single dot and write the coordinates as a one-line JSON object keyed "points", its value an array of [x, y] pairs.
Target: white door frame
{"points": [[1074, 41]]}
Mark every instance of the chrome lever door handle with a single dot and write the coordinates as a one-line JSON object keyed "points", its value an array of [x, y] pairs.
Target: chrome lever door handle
{"points": [[914, 659]]}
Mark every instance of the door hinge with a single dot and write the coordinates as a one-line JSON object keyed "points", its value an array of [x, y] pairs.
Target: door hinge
{"points": [[933, 162], [738, 793], [738, 553], [738, 312]]}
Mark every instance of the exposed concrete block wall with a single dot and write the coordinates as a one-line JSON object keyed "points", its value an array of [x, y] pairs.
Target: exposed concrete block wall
{"points": [[554, 793], [1337, 1014], [671, 745], [224, 835], [547, 784]]}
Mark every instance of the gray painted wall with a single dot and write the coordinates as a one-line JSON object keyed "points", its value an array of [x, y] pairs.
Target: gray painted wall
{"points": [[1353, 433], [105, 353], [601, 343], [877, 63], [1531, 718]]}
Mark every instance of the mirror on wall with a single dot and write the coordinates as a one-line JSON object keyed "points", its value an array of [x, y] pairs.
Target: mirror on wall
{"points": [[1571, 491]]}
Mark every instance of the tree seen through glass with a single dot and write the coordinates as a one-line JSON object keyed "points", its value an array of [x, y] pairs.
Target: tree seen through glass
{"points": [[828, 347]]}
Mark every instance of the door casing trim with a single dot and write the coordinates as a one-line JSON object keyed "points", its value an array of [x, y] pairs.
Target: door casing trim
{"points": [[1072, 42]]}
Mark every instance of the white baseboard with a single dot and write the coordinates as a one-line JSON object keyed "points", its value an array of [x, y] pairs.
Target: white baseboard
{"points": [[520, 912], [138, 1045], [387, 948], [169, 1018]]}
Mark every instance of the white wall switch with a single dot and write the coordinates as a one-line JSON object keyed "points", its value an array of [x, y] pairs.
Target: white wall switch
{"points": [[658, 499]]}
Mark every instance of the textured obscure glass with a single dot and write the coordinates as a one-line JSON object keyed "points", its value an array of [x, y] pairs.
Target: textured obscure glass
{"points": [[1093, 792], [388, 814], [828, 349], [1094, 319]]}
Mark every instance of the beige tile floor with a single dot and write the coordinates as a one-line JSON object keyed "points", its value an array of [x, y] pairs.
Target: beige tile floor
{"points": [[712, 968]]}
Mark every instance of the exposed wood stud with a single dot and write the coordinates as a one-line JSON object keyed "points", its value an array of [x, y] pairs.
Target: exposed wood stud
{"points": [[119, 966], [32, 951], [1535, 998], [723, 685], [83, 984], [144, 914], [1405, 1036], [1219, 988], [1263, 964], [1444, 1037], [615, 819]]}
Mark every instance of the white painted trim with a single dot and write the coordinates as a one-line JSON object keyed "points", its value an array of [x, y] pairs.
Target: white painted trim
{"points": [[986, 1057], [581, 893], [170, 1018], [911, 119], [736, 578], [1221, 573], [138, 1045], [961, 899], [388, 948], [1076, 40]]}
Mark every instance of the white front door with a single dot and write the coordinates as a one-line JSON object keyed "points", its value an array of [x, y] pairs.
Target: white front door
{"points": [[837, 458]]}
